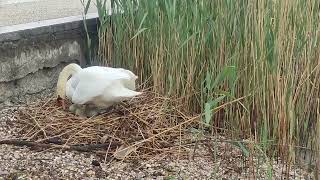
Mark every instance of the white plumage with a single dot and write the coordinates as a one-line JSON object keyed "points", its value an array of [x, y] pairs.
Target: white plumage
{"points": [[96, 86]]}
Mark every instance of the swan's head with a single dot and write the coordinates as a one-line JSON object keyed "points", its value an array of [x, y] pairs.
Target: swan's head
{"points": [[61, 102], [61, 90]]}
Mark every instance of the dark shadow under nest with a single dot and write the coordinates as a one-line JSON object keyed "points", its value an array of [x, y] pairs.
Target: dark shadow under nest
{"points": [[142, 127]]}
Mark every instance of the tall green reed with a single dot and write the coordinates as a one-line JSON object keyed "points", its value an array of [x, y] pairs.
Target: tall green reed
{"points": [[205, 53]]}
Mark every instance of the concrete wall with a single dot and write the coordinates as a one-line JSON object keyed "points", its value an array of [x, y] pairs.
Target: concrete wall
{"points": [[32, 55]]}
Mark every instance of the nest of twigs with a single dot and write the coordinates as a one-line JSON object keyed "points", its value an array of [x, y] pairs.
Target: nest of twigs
{"points": [[142, 127]]}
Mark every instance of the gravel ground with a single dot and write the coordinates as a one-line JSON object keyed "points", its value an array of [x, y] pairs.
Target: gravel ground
{"points": [[19, 12], [228, 163]]}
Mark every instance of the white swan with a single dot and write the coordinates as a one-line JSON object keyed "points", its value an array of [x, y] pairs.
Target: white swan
{"points": [[95, 88]]}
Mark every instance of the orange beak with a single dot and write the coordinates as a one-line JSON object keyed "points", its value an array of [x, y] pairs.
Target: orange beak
{"points": [[61, 102]]}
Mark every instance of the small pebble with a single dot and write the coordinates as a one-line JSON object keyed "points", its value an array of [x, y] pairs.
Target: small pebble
{"points": [[16, 155], [160, 178], [90, 173], [3, 173], [95, 163]]}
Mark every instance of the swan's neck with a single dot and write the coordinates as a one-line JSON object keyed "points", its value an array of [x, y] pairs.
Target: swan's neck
{"points": [[64, 75]]}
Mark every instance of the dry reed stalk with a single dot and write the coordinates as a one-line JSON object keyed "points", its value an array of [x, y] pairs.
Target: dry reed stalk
{"points": [[149, 122]]}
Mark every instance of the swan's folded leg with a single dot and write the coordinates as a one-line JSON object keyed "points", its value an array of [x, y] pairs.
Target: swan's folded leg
{"points": [[87, 111], [78, 109], [84, 110], [81, 110], [74, 107], [106, 109], [92, 112], [95, 110]]}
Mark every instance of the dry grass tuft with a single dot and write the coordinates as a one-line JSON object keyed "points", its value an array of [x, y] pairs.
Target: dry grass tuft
{"points": [[150, 123]]}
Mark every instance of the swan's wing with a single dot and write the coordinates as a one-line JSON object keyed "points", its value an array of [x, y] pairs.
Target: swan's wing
{"points": [[108, 92], [117, 93], [129, 82], [88, 88], [85, 92], [94, 84]]}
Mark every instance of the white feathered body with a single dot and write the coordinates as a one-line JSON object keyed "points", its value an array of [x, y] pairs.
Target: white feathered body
{"points": [[101, 86]]}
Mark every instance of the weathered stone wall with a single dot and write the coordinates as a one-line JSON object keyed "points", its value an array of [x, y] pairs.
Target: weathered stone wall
{"points": [[31, 58]]}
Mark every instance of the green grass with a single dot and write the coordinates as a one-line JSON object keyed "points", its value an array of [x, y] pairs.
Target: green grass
{"points": [[261, 54]]}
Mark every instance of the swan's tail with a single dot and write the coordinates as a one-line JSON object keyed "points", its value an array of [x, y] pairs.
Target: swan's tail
{"points": [[125, 94]]}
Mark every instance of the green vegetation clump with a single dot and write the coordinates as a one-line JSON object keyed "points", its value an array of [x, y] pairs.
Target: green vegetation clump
{"points": [[259, 58]]}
